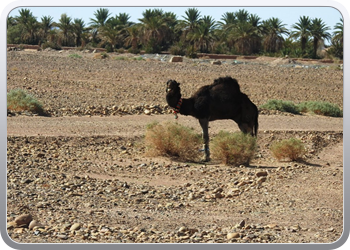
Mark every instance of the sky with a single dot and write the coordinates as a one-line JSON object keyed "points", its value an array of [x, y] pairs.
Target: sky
{"points": [[288, 15]]}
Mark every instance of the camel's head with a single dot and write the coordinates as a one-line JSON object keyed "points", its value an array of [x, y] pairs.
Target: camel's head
{"points": [[172, 86]]}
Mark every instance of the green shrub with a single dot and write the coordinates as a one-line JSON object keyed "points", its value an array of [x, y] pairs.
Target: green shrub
{"points": [[289, 149], [283, 106], [233, 148], [172, 140], [75, 56], [19, 100], [121, 58], [321, 108]]}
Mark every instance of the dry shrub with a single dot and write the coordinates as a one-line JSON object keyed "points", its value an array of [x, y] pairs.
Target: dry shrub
{"points": [[172, 140], [19, 100], [289, 149], [233, 148]]}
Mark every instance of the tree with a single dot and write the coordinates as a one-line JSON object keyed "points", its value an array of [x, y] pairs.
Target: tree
{"points": [[29, 26], [154, 29], [302, 31], [101, 17], [190, 22], [65, 25], [274, 31], [203, 34], [338, 33], [78, 30], [318, 30], [46, 25]]}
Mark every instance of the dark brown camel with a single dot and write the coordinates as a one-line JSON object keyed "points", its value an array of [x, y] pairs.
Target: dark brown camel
{"points": [[220, 100]]}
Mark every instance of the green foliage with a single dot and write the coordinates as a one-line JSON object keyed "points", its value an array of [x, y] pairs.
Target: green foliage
{"points": [[19, 100], [172, 140], [233, 148], [75, 56], [321, 108], [280, 105], [290, 149], [237, 32], [316, 107]]}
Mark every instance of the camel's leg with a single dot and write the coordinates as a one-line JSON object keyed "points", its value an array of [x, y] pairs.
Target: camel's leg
{"points": [[205, 128]]}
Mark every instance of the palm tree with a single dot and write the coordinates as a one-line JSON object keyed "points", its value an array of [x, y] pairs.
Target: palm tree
{"points": [[153, 29], [65, 25], [101, 17], [29, 26], [133, 37], [78, 30], [203, 35], [318, 31], [46, 25], [302, 31], [242, 36], [190, 23], [274, 31], [338, 33]]}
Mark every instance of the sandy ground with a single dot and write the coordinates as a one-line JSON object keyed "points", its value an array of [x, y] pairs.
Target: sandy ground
{"points": [[82, 174]]}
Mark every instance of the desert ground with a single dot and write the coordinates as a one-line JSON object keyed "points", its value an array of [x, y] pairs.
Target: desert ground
{"points": [[80, 174]]}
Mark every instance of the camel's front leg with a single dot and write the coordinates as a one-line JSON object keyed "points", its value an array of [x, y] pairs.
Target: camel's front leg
{"points": [[205, 128]]}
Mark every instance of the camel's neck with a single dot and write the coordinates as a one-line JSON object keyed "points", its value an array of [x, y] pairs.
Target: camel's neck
{"points": [[186, 107]]}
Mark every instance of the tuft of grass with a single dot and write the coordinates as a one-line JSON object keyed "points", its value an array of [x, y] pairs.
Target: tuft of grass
{"points": [[280, 105], [172, 140], [321, 108], [121, 58], [289, 149], [75, 56], [19, 100], [233, 148]]}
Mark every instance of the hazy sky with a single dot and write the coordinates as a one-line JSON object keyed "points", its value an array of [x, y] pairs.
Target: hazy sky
{"points": [[288, 15]]}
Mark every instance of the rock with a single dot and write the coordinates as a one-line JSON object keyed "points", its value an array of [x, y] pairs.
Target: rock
{"points": [[176, 59], [261, 173], [216, 62], [147, 112], [23, 219], [232, 236], [34, 223], [75, 226]]}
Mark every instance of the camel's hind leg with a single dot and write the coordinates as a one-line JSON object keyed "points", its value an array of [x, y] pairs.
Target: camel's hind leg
{"points": [[205, 128]]}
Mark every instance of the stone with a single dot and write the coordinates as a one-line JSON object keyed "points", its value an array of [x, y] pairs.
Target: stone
{"points": [[261, 173], [75, 226], [216, 62], [33, 224], [23, 219], [232, 236], [176, 59]]}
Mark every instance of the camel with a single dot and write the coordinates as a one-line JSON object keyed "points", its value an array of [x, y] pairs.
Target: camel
{"points": [[219, 100]]}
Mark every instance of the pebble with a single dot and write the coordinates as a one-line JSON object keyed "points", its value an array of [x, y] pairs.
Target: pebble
{"points": [[232, 236], [75, 226], [23, 219]]}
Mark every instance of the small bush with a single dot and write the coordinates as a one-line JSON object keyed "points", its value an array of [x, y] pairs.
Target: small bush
{"points": [[233, 148], [19, 100], [172, 140], [289, 149], [321, 108], [283, 106], [75, 56]]}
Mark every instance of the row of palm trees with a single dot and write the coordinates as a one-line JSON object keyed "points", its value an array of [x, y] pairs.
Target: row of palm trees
{"points": [[237, 32]]}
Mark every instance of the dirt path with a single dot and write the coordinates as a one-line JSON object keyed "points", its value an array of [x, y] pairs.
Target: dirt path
{"points": [[134, 125]]}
